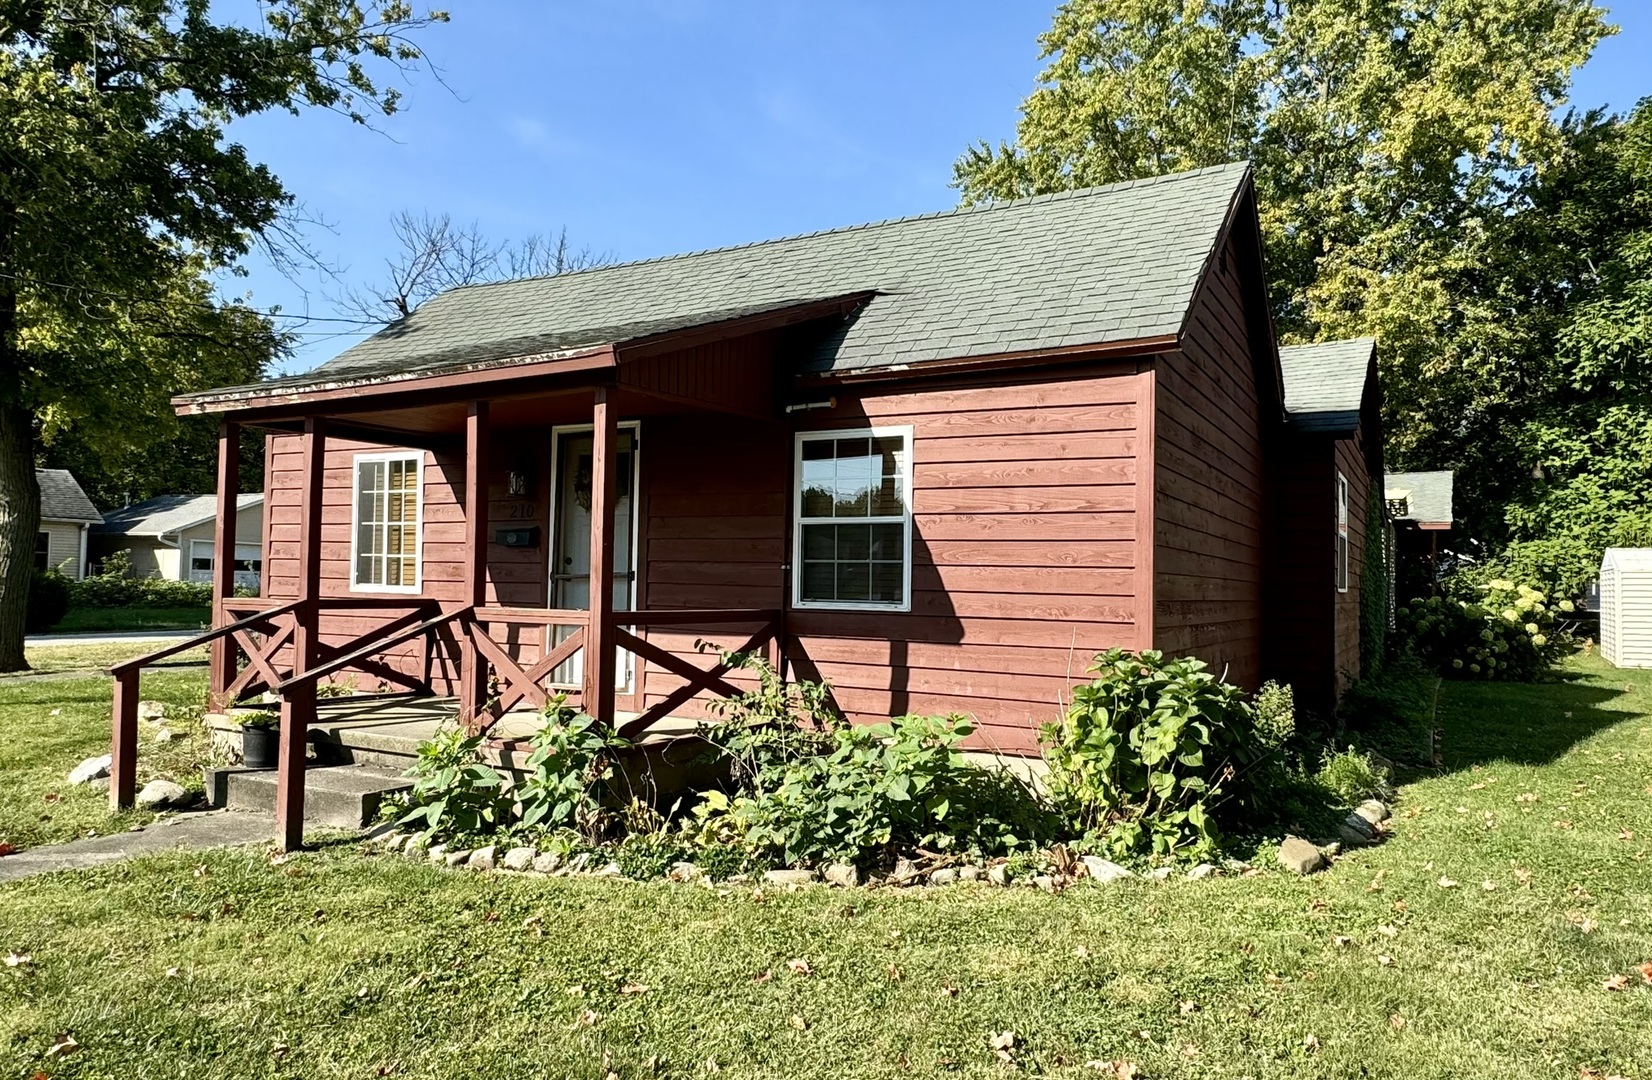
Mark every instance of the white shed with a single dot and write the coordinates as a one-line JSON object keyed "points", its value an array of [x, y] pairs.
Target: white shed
{"points": [[1626, 607]]}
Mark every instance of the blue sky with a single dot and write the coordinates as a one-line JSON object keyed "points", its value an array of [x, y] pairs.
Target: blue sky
{"points": [[648, 127]]}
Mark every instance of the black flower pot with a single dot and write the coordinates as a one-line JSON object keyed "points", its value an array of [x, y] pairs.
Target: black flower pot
{"points": [[261, 747]]}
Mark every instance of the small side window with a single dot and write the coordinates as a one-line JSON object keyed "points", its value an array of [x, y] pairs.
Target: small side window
{"points": [[1342, 533], [386, 521]]}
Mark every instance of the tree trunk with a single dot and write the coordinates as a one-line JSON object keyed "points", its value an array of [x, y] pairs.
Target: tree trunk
{"points": [[19, 526]]}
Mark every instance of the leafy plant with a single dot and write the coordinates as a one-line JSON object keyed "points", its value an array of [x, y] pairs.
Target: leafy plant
{"points": [[1275, 715], [569, 772], [48, 601], [1148, 753], [1503, 630], [1353, 777], [648, 855], [454, 792]]}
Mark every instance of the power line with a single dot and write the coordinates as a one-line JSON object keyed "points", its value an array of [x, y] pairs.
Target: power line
{"points": [[366, 325]]}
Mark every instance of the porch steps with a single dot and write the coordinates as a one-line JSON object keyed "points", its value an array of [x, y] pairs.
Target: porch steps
{"points": [[346, 796]]}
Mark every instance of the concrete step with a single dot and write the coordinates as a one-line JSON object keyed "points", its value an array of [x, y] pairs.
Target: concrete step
{"points": [[347, 796]]}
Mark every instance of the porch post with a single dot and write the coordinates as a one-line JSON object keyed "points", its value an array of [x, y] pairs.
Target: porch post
{"points": [[222, 661], [298, 703], [599, 631], [473, 668]]}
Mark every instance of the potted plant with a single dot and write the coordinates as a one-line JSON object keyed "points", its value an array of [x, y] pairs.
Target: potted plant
{"points": [[260, 721]]}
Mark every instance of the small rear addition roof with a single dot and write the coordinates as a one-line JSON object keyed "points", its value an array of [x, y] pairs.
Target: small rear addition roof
{"points": [[1325, 383], [1427, 495]]}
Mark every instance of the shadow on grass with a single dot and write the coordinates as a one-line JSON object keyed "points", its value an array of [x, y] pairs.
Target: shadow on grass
{"points": [[1525, 723]]}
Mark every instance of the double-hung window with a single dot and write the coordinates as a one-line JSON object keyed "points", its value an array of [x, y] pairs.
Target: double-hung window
{"points": [[852, 547], [42, 551], [1342, 533], [386, 520]]}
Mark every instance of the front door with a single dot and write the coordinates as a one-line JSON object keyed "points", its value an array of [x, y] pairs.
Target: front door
{"points": [[571, 553]]}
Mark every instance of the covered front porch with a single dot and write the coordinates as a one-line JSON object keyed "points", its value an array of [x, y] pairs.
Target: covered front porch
{"points": [[443, 538]]}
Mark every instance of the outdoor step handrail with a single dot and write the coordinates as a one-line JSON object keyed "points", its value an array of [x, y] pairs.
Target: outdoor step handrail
{"points": [[299, 678], [209, 636]]}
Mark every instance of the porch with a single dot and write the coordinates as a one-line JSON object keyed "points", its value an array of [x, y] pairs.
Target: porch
{"points": [[491, 604]]}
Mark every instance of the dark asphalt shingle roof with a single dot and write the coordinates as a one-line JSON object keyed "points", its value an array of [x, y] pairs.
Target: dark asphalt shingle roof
{"points": [[1325, 383], [1427, 495], [61, 498], [166, 514], [1098, 266]]}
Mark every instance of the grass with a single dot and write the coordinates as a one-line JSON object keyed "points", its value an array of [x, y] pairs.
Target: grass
{"points": [[53, 659], [344, 963], [47, 726], [112, 620]]}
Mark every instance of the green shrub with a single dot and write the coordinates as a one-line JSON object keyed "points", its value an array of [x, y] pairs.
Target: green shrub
{"points": [[454, 793], [879, 790], [116, 586], [1149, 752], [570, 772], [1353, 777], [645, 856], [48, 601], [1502, 631], [1275, 716]]}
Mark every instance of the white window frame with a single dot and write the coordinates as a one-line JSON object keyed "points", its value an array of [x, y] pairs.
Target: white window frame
{"points": [[1342, 547], [798, 520], [188, 567], [356, 462]]}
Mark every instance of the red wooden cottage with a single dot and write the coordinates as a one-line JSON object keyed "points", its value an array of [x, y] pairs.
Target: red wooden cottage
{"points": [[936, 462]]}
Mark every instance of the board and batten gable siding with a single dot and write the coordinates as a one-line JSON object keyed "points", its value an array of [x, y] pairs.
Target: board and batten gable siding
{"points": [[1208, 492], [1024, 546]]}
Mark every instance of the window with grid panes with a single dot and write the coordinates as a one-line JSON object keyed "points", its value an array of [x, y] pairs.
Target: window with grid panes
{"points": [[386, 522], [853, 545]]}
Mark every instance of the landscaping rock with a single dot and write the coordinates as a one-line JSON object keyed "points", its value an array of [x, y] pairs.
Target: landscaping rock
{"points": [[683, 871], [483, 858], [788, 877], [1103, 871], [166, 735], [162, 795], [611, 870], [1372, 811], [393, 841], [455, 858], [577, 864], [1044, 881], [946, 875], [1202, 871], [151, 710], [1300, 857], [1161, 873], [100, 783], [1331, 850], [93, 768], [843, 875], [906, 873], [1355, 831], [417, 846], [999, 873], [436, 852], [546, 861], [519, 859], [971, 873]]}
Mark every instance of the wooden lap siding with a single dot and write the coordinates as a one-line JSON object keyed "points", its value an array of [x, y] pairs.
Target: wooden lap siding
{"points": [[1207, 571], [1023, 547]]}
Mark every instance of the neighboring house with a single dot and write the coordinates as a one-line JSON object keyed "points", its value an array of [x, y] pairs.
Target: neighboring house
{"points": [[1329, 462], [65, 515], [1420, 504], [936, 462], [171, 536]]}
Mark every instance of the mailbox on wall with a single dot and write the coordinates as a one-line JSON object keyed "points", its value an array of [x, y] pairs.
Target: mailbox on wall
{"points": [[518, 538]]}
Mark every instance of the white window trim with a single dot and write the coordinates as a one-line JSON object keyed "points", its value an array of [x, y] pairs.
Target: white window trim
{"points": [[905, 605], [1346, 549], [186, 567], [356, 462]]}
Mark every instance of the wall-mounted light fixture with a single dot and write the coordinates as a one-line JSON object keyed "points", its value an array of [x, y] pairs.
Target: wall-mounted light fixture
{"points": [[829, 403]]}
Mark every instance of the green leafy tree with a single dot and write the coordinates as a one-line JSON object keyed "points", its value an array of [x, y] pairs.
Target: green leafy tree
{"points": [[119, 189], [1392, 140]]}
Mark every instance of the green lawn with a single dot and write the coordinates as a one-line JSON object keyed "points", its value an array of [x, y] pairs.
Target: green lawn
{"points": [[1475, 943], [109, 620]]}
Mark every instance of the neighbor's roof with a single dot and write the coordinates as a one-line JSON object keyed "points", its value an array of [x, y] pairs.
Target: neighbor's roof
{"points": [[61, 498], [1427, 495], [166, 514], [1099, 266], [1325, 383], [1627, 558]]}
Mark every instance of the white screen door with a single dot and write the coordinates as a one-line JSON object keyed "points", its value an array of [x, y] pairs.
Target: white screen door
{"points": [[571, 553]]}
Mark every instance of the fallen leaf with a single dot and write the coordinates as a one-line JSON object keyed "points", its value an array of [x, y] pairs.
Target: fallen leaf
{"points": [[1524, 877], [799, 1023], [1396, 1021], [1385, 960], [1081, 952], [1626, 834], [1004, 1040], [278, 1050], [389, 1068], [949, 991], [173, 973], [799, 966], [1387, 931], [1341, 941], [577, 990], [1118, 1070], [62, 1046], [712, 1066], [1582, 922], [52, 797], [16, 960], [587, 1018], [1489, 885], [895, 974], [1189, 1007], [634, 988], [762, 977], [1563, 824], [1646, 972], [1446, 883], [1616, 982], [1525, 797], [1310, 1043], [7, 849]]}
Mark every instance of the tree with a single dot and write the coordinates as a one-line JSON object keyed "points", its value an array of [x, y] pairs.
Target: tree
{"points": [[436, 255], [1393, 143], [118, 188]]}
